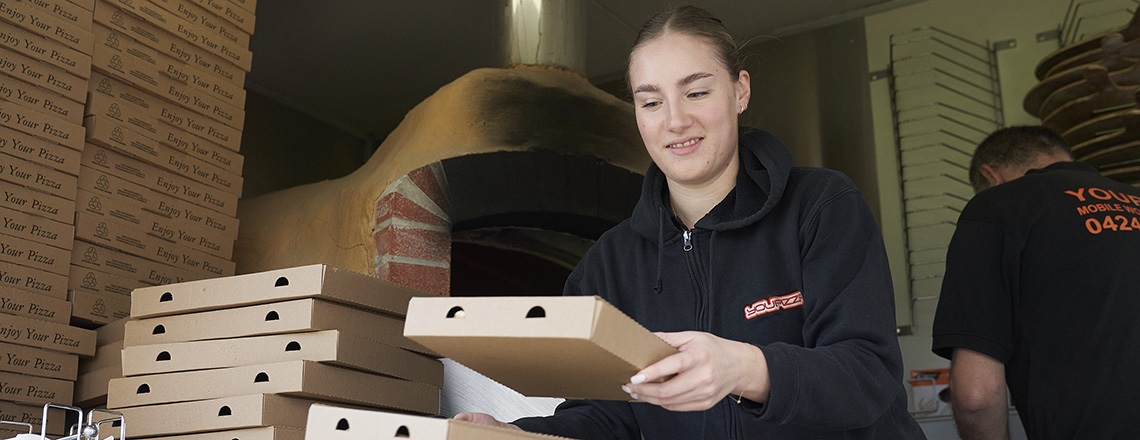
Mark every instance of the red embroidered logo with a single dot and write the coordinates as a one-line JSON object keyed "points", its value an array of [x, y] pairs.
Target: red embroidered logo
{"points": [[774, 304]]}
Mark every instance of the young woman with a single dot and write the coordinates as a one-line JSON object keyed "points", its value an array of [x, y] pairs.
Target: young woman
{"points": [[771, 281]]}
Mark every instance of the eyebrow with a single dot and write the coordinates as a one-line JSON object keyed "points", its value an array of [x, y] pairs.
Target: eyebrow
{"points": [[683, 82]]}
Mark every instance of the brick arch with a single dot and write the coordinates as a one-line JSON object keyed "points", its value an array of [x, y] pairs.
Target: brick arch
{"points": [[416, 214], [412, 232]]}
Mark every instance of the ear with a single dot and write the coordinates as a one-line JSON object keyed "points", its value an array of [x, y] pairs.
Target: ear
{"points": [[743, 90], [991, 174]]}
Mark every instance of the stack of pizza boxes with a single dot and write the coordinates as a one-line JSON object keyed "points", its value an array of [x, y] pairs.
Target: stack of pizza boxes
{"points": [[39, 358], [245, 356], [160, 173], [45, 65]]}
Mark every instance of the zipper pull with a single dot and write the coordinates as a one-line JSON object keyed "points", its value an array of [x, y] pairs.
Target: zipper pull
{"points": [[688, 235]]}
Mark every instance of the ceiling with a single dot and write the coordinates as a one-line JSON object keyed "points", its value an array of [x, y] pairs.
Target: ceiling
{"points": [[360, 65]]}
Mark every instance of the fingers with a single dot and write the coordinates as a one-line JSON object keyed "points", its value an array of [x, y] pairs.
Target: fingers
{"points": [[483, 419]]}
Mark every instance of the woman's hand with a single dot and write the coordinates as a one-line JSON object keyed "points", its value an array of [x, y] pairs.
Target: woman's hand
{"points": [[484, 419], [707, 369]]}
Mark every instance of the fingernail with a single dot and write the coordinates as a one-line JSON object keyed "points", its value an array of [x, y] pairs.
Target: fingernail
{"points": [[637, 379], [633, 395], [626, 389]]}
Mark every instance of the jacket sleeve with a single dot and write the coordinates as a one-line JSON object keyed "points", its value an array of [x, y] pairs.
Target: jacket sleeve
{"points": [[849, 371], [585, 419]]}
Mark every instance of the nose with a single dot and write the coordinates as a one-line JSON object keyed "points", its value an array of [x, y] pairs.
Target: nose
{"points": [[679, 118]]}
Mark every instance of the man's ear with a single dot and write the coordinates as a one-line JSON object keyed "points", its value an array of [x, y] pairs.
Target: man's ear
{"points": [[991, 174]]}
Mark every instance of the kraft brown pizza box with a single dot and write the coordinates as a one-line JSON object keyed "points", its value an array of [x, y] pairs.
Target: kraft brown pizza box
{"points": [[28, 253], [50, 77], [166, 111], [83, 279], [91, 387], [40, 99], [67, 11], [311, 281], [267, 319], [32, 415], [153, 62], [33, 280], [138, 73], [24, 15], [38, 177], [39, 124], [35, 228], [34, 305], [124, 192], [331, 347], [208, 60], [38, 150], [249, 5], [262, 433], [139, 119], [192, 32], [183, 175], [50, 335], [111, 333], [38, 203], [46, 50], [96, 257], [296, 378], [188, 235], [227, 413], [85, 4], [334, 423], [123, 236], [32, 390], [194, 13], [38, 362], [95, 309], [108, 355], [228, 11], [562, 346]]}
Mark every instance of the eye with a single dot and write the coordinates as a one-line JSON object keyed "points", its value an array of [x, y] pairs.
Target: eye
{"points": [[650, 104], [697, 95]]}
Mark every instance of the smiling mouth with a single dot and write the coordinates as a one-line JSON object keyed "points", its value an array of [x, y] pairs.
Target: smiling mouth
{"points": [[687, 143]]}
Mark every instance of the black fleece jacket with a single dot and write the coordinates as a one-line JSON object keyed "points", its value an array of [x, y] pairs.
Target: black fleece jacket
{"points": [[791, 261]]}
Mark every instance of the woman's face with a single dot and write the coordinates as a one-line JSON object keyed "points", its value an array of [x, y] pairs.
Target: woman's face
{"points": [[686, 104]]}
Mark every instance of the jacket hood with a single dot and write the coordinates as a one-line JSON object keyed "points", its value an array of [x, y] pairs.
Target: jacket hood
{"points": [[765, 164]]}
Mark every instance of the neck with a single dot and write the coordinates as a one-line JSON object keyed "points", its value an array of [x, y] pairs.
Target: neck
{"points": [[690, 204]]}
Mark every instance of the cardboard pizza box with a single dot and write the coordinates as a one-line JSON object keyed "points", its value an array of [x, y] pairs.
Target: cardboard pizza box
{"points": [[312, 281], [262, 433], [33, 280], [32, 415], [95, 309], [109, 355], [34, 305], [333, 423], [227, 413], [555, 346], [50, 335], [332, 347], [38, 362], [295, 378], [267, 319], [32, 390]]}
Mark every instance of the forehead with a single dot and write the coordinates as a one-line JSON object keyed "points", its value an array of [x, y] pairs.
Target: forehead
{"points": [[672, 56]]}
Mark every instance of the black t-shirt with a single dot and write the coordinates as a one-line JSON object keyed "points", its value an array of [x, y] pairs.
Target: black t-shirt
{"points": [[1043, 274]]}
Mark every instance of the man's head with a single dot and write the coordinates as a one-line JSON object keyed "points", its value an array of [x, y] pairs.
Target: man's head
{"points": [[1008, 153]]}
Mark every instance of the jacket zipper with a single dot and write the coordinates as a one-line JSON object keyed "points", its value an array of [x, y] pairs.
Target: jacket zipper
{"points": [[695, 269]]}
